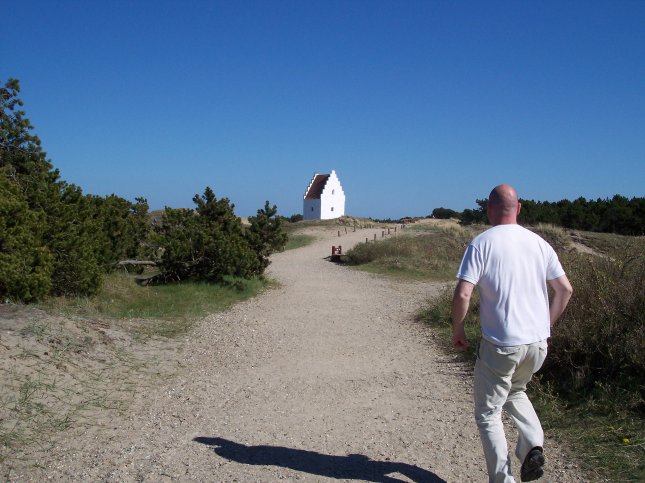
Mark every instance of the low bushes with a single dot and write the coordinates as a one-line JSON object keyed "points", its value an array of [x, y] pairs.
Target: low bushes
{"points": [[210, 243]]}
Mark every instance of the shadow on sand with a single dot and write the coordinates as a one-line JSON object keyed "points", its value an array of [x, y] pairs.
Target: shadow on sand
{"points": [[350, 467]]}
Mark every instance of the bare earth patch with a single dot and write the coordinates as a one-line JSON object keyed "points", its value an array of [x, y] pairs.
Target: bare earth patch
{"points": [[327, 377]]}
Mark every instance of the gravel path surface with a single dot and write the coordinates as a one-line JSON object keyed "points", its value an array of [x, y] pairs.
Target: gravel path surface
{"points": [[326, 377]]}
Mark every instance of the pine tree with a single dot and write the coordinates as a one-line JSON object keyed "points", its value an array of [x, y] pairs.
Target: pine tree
{"points": [[207, 244], [54, 239], [21, 154], [266, 234]]}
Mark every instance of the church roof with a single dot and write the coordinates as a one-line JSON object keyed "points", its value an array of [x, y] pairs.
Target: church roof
{"points": [[317, 187]]}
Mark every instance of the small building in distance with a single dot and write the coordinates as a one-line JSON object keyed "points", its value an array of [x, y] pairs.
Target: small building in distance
{"points": [[324, 198]]}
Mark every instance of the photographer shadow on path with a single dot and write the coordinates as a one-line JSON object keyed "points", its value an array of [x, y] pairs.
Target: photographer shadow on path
{"points": [[350, 467]]}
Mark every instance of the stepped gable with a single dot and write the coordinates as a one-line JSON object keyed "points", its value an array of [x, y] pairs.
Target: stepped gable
{"points": [[317, 187]]}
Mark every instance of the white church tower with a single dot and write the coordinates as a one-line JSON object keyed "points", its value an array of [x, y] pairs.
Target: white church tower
{"points": [[324, 198]]}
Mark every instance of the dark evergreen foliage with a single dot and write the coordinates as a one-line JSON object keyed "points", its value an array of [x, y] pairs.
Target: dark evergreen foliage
{"points": [[25, 264], [618, 215], [54, 239], [210, 243], [266, 234], [444, 213], [21, 157], [73, 238], [123, 226], [475, 217]]}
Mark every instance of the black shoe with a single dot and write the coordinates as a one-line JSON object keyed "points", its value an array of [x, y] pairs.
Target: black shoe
{"points": [[532, 466]]}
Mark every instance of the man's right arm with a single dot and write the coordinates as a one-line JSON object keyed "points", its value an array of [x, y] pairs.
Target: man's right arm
{"points": [[563, 292], [460, 303]]}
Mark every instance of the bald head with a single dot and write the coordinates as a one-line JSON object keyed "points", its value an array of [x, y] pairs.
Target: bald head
{"points": [[503, 205]]}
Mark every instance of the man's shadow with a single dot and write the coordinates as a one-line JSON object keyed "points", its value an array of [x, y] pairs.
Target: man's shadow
{"points": [[350, 467]]}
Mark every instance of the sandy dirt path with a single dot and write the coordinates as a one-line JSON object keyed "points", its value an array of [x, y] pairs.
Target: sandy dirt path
{"points": [[325, 378]]}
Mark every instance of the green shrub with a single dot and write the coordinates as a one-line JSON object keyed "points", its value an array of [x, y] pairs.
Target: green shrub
{"points": [[25, 264], [72, 236], [266, 235], [194, 248], [123, 228], [207, 244], [444, 213]]}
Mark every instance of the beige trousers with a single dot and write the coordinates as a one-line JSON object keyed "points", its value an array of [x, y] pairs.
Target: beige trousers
{"points": [[501, 376]]}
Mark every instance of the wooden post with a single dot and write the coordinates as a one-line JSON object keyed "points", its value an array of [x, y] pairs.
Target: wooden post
{"points": [[388, 231], [345, 230], [338, 232], [374, 236], [383, 234], [365, 239]]}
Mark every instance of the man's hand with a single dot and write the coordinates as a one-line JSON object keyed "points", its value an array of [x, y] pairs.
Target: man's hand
{"points": [[459, 340]]}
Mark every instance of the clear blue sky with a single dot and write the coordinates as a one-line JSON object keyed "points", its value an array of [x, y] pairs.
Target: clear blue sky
{"points": [[415, 104]]}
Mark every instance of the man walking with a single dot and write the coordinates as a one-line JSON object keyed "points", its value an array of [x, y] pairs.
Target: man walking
{"points": [[511, 267]]}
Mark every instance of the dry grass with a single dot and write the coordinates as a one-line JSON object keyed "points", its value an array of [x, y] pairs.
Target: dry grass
{"points": [[425, 252]]}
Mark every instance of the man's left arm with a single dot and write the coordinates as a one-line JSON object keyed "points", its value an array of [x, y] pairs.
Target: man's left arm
{"points": [[562, 293], [460, 304]]}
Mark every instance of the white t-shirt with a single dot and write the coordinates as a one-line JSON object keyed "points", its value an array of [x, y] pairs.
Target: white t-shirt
{"points": [[511, 266]]}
